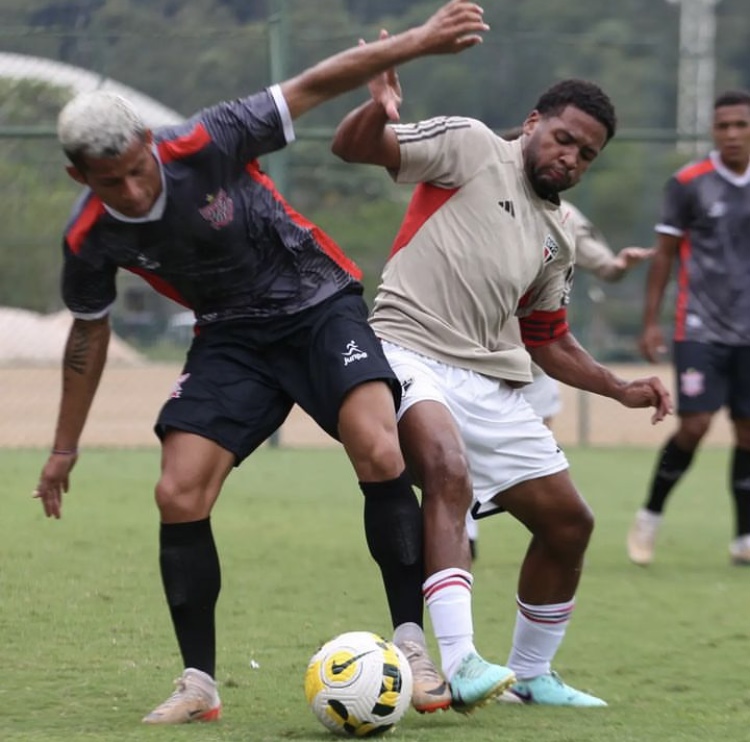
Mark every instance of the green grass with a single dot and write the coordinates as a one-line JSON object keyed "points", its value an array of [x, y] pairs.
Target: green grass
{"points": [[86, 647]]}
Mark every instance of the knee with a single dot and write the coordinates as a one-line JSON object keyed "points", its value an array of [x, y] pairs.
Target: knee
{"points": [[175, 502], [691, 431], [447, 481], [377, 458], [570, 535]]}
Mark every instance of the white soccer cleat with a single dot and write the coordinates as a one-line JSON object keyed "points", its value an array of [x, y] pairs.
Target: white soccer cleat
{"points": [[195, 698], [739, 551], [642, 537]]}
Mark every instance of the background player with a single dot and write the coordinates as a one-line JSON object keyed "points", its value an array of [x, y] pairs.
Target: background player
{"points": [[592, 254], [705, 225]]}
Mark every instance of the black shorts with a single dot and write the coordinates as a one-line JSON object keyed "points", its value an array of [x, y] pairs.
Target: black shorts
{"points": [[242, 377], [710, 376]]}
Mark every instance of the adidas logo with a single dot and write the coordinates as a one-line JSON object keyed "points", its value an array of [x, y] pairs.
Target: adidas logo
{"points": [[508, 206]]}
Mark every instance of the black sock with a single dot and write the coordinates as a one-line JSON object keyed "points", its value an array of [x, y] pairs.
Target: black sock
{"points": [[741, 490], [393, 527], [191, 576], [672, 464]]}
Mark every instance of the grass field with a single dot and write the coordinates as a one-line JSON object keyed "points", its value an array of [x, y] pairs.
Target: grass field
{"points": [[87, 648]]}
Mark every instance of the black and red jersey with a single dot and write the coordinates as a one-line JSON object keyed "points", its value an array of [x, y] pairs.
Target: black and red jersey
{"points": [[227, 245], [708, 208]]}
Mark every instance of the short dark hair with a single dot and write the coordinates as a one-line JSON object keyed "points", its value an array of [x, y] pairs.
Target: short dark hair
{"points": [[732, 98], [584, 95]]}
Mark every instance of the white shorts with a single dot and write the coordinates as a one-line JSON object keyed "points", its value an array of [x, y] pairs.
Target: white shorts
{"points": [[543, 394], [506, 441]]}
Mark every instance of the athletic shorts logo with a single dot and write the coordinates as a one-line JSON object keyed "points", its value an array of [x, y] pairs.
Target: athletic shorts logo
{"points": [[219, 211], [551, 248], [353, 353], [406, 384], [692, 383], [177, 388]]}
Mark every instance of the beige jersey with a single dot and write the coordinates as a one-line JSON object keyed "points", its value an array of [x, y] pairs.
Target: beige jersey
{"points": [[476, 248], [593, 254]]}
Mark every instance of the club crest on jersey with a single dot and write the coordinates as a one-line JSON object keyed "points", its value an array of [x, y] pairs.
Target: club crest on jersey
{"points": [[551, 248], [353, 353], [692, 383], [219, 209]]}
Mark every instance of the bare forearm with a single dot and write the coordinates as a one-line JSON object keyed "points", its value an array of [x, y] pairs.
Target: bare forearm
{"points": [[360, 135], [456, 26], [348, 70], [566, 361], [83, 362], [656, 284]]}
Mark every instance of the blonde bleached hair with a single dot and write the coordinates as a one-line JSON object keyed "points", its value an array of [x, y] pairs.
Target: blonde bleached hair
{"points": [[98, 124]]}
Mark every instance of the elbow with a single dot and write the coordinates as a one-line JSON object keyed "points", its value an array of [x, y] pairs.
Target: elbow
{"points": [[340, 148]]}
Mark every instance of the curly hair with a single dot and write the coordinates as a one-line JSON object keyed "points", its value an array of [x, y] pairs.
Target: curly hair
{"points": [[584, 95]]}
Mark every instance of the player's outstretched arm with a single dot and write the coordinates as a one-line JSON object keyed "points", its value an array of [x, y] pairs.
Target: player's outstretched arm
{"points": [[83, 362], [617, 265], [458, 25], [362, 136], [565, 360]]}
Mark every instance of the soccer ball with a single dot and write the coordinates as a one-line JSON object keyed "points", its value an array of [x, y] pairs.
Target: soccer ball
{"points": [[358, 684]]}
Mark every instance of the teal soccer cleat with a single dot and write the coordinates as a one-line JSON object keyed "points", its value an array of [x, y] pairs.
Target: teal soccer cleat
{"points": [[549, 690], [476, 682]]}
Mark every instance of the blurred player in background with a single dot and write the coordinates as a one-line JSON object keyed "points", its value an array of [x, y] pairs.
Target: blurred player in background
{"points": [[592, 254], [705, 225], [484, 239], [280, 316]]}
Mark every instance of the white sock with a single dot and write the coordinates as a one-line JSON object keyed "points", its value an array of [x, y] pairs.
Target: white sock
{"points": [[539, 632], [448, 597]]}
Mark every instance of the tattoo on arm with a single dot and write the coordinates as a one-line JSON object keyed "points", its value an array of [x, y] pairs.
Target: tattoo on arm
{"points": [[78, 348]]}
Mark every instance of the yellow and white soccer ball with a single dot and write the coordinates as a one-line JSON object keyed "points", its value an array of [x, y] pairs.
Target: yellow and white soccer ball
{"points": [[358, 684]]}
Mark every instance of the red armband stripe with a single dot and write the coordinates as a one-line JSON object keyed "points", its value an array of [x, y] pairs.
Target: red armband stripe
{"points": [[540, 328]]}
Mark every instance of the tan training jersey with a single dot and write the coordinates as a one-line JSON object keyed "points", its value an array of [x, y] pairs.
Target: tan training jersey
{"points": [[477, 246], [592, 252]]}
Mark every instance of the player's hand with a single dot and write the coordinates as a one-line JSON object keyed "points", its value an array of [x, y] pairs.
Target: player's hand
{"points": [[651, 344], [631, 256], [649, 392], [54, 480], [455, 27], [385, 88]]}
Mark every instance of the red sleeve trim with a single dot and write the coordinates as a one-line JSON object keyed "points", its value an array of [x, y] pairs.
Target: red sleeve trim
{"points": [[84, 223], [188, 144], [691, 172], [541, 328]]}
